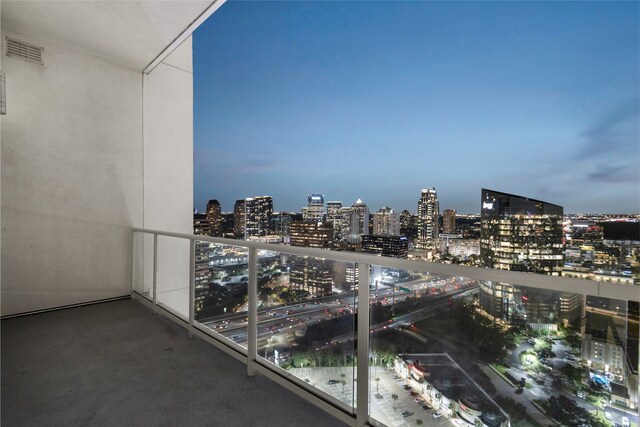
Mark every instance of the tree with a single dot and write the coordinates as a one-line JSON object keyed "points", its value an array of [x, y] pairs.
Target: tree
{"points": [[573, 374], [395, 400], [566, 411], [598, 395]]}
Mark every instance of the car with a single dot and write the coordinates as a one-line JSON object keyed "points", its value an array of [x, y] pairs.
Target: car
{"points": [[414, 393], [625, 422], [406, 387], [333, 382], [436, 415], [608, 416], [418, 400], [406, 414], [426, 407]]}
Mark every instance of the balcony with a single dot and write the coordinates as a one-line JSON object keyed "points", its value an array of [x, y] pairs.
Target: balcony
{"points": [[97, 154]]}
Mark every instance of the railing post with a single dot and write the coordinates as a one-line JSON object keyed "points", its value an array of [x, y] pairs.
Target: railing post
{"points": [[154, 290], [252, 313], [132, 243], [362, 387], [192, 282]]}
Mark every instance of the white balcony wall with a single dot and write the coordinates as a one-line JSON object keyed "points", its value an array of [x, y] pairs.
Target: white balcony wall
{"points": [[91, 148], [71, 178], [168, 170]]}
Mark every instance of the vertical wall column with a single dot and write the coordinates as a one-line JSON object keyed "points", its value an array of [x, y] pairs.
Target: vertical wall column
{"points": [[167, 170], [362, 390]]}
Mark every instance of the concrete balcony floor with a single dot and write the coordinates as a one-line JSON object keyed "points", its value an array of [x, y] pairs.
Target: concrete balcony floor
{"points": [[118, 364]]}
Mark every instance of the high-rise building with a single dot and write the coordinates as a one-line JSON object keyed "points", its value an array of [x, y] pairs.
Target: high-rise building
{"points": [[215, 218], [314, 275], [281, 223], [202, 271], [311, 234], [227, 224], [345, 223], [315, 207], [449, 221], [522, 234], [390, 246], [334, 216], [200, 224], [408, 224], [386, 222], [239, 218], [359, 220], [258, 212], [428, 213]]}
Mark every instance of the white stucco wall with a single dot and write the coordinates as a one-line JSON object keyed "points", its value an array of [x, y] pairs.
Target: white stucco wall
{"points": [[85, 156], [71, 178], [168, 171]]}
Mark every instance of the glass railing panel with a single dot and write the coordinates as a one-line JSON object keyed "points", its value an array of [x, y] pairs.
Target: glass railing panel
{"points": [[456, 351], [306, 322], [221, 285], [173, 275], [142, 264], [402, 304]]}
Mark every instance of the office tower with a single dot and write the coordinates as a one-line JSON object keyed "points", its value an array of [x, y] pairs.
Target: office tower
{"points": [[281, 223], [215, 218], [202, 272], [522, 234], [200, 224], [449, 221], [258, 212], [334, 216], [314, 275], [386, 222], [408, 224], [359, 221], [311, 234], [428, 213], [227, 224], [239, 218], [345, 223], [315, 207], [390, 246]]}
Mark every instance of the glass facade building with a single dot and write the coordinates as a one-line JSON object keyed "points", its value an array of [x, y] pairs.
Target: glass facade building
{"points": [[258, 213], [428, 213], [523, 234]]}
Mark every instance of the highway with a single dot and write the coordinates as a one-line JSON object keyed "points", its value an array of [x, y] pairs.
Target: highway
{"points": [[277, 326]]}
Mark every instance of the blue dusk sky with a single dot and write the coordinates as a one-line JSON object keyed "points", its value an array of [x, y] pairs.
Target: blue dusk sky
{"points": [[376, 100]]}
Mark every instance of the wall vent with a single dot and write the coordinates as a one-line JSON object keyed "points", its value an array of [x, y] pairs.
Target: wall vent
{"points": [[22, 50]]}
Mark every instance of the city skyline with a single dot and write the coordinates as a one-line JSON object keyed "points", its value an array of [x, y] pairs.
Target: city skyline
{"points": [[376, 101]]}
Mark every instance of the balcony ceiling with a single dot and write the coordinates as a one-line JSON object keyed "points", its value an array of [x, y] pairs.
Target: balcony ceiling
{"points": [[129, 33]]}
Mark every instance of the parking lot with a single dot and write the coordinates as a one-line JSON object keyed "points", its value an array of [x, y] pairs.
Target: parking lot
{"points": [[383, 407]]}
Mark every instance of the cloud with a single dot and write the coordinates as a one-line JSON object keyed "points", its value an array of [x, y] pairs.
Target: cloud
{"points": [[261, 163], [616, 134], [614, 174]]}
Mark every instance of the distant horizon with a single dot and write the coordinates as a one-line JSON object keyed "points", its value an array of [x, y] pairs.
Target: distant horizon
{"points": [[376, 100]]}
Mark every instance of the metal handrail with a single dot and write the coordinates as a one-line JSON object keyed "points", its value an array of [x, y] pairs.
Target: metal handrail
{"points": [[533, 280]]}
